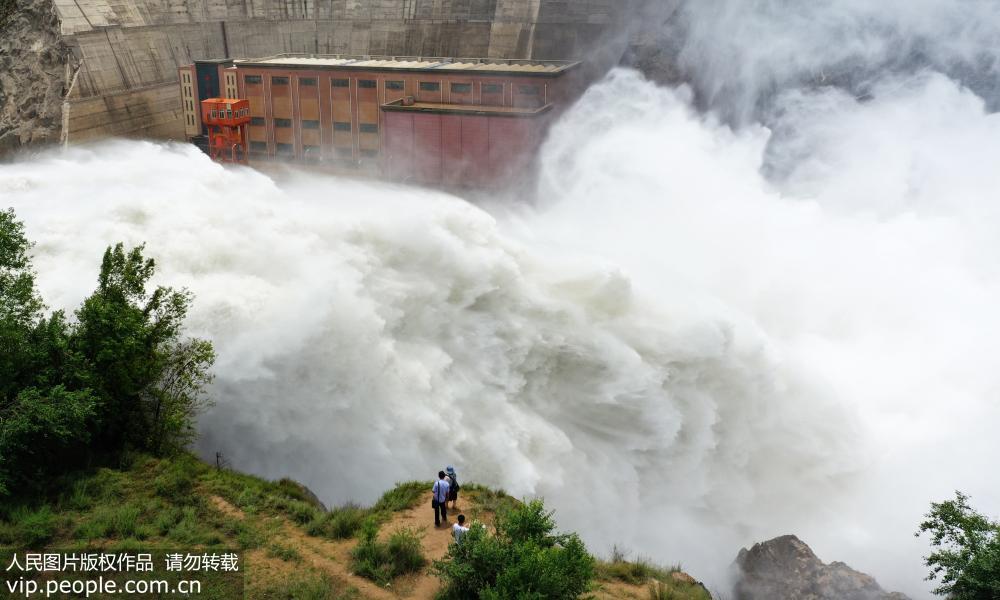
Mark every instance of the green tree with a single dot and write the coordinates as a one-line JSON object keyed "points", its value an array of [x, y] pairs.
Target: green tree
{"points": [[522, 559], [20, 305], [966, 556], [43, 414], [149, 379], [121, 376]]}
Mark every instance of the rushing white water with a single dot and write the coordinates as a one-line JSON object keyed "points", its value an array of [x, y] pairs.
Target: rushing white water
{"points": [[698, 338]]}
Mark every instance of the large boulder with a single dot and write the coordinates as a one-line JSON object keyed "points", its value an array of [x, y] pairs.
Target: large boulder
{"points": [[785, 568]]}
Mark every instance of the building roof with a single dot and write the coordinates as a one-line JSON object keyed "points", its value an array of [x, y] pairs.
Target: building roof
{"points": [[412, 63]]}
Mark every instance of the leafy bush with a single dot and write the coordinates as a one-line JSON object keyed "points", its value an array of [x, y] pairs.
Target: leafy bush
{"points": [[967, 555], [523, 559], [384, 561]]}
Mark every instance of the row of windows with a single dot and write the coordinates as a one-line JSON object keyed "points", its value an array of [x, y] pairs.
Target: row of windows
{"points": [[312, 124], [425, 86], [307, 151]]}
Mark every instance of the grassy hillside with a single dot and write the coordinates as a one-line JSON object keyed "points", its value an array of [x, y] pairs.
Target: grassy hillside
{"points": [[293, 547]]}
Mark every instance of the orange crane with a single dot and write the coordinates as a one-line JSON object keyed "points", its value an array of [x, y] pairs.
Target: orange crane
{"points": [[226, 120]]}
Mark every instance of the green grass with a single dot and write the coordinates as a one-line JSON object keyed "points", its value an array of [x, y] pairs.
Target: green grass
{"points": [[306, 585], [384, 561], [29, 528], [345, 522], [660, 581], [403, 496], [659, 590], [636, 572], [487, 500], [285, 553]]}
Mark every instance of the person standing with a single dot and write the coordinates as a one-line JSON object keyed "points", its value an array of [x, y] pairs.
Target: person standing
{"points": [[439, 499], [459, 529], [452, 486]]}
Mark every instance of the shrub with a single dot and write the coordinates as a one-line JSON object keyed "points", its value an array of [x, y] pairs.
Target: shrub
{"points": [[384, 561], [524, 559]]}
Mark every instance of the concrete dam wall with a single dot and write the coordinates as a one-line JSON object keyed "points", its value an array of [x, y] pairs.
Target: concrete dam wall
{"points": [[124, 53]]}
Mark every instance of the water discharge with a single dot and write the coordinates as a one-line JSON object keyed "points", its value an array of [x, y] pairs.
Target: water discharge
{"points": [[697, 337]]}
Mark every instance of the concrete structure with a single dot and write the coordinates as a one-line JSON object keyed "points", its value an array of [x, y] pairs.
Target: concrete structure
{"points": [[128, 51], [429, 120]]}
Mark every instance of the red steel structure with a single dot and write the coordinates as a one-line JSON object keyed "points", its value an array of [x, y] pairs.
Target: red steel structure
{"points": [[226, 120]]}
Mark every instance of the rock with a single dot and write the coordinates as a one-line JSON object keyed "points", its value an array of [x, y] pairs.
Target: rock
{"points": [[785, 568], [34, 64]]}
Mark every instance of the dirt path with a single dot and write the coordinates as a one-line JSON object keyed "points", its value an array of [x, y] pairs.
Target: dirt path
{"points": [[334, 558]]}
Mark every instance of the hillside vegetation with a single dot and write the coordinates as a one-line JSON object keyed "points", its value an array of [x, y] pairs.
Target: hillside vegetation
{"points": [[295, 548]]}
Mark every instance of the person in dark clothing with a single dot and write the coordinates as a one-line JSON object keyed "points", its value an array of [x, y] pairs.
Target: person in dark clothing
{"points": [[452, 486], [439, 499]]}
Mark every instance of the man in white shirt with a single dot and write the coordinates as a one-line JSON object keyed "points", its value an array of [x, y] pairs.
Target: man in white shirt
{"points": [[439, 499], [459, 529]]}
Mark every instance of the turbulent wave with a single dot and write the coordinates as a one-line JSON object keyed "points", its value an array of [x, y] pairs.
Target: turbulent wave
{"points": [[697, 337]]}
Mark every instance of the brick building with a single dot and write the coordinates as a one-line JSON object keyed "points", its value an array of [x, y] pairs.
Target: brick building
{"points": [[427, 120]]}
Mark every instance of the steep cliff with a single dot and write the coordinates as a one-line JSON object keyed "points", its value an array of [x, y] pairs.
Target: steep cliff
{"points": [[35, 66]]}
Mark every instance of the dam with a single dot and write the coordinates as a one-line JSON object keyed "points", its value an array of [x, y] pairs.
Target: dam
{"points": [[94, 69]]}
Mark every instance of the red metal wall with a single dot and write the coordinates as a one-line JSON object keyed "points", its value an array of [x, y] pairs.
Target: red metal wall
{"points": [[453, 149]]}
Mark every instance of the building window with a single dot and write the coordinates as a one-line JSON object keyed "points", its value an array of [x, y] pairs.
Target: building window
{"points": [[430, 86], [258, 147], [369, 153], [285, 149], [310, 124], [461, 88], [279, 81], [251, 79], [282, 122], [492, 88], [342, 83], [528, 90], [367, 84], [341, 126], [368, 128], [311, 152], [257, 121], [393, 85], [307, 81]]}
